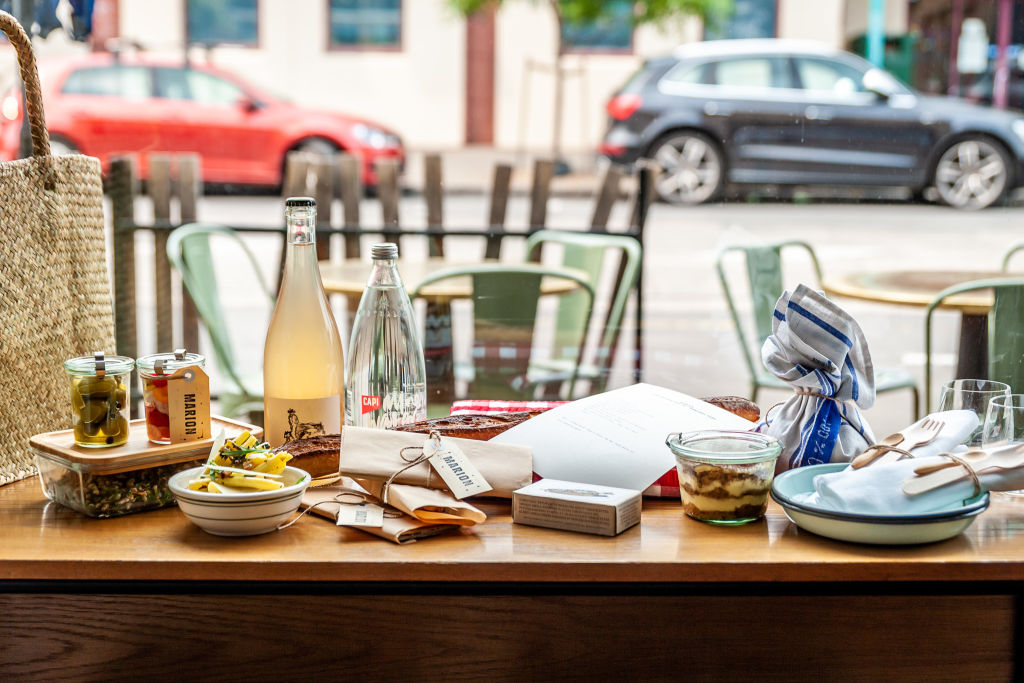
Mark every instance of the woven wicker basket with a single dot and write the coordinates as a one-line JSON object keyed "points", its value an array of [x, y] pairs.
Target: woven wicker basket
{"points": [[54, 287]]}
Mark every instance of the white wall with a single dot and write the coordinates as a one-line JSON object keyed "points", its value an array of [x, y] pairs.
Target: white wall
{"points": [[527, 33], [896, 17], [820, 20]]}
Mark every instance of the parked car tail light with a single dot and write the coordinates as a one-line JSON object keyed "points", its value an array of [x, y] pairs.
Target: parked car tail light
{"points": [[9, 108], [621, 107]]}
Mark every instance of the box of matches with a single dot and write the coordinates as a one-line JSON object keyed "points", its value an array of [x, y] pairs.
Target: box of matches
{"points": [[572, 506]]}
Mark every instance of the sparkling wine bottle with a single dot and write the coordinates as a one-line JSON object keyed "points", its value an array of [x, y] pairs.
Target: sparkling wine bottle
{"points": [[386, 380], [303, 368]]}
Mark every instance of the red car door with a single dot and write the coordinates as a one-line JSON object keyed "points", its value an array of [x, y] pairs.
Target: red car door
{"points": [[217, 119]]}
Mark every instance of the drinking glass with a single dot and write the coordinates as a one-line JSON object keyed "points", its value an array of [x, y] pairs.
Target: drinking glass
{"points": [[974, 395], [1004, 425]]}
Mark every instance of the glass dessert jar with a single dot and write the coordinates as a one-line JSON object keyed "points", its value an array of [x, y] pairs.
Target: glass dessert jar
{"points": [[154, 372], [100, 411], [724, 476]]}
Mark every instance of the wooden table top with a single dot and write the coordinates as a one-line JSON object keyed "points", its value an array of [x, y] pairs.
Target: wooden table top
{"points": [[349, 277], [43, 540], [914, 287]]}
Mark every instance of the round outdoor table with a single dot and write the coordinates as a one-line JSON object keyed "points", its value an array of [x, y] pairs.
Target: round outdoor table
{"points": [[349, 278], [919, 288]]}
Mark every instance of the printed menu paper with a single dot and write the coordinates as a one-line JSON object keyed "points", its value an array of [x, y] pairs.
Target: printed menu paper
{"points": [[616, 438]]}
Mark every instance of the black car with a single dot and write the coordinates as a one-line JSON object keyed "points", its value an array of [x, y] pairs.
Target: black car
{"points": [[794, 113]]}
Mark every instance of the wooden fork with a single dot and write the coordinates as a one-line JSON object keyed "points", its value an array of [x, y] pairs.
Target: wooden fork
{"points": [[915, 437]]}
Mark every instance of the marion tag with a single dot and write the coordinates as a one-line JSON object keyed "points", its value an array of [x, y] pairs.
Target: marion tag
{"points": [[455, 468], [188, 404], [365, 514]]}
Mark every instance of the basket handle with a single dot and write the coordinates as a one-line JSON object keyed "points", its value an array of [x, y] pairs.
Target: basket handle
{"points": [[30, 78]]}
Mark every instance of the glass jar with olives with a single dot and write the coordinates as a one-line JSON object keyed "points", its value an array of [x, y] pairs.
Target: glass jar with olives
{"points": [[100, 411]]}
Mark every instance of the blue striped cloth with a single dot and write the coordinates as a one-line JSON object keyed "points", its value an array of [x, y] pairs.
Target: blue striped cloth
{"points": [[819, 350]]}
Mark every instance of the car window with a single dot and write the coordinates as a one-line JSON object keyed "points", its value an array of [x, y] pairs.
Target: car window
{"points": [[697, 73], [131, 82], [198, 86], [752, 72], [828, 76]]}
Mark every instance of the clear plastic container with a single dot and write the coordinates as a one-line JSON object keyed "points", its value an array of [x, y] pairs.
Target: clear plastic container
{"points": [[100, 410], [724, 476], [153, 371], [116, 482]]}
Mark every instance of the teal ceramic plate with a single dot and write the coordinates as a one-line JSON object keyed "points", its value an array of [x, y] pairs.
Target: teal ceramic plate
{"points": [[874, 529]]}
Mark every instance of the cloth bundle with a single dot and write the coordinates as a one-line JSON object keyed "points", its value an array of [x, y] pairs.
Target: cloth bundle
{"points": [[418, 504], [819, 349]]}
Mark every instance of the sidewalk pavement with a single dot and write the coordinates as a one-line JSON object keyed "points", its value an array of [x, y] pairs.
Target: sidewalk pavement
{"points": [[470, 170]]}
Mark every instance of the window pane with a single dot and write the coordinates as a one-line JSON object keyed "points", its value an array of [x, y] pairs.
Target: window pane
{"points": [[614, 31], [818, 74], [366, 22], [223, 21], [198, 86], [701, 73], [758, 72], [749, 19], [131, 82]]}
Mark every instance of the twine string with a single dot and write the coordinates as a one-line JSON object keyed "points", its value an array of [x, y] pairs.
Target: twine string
{"points": [[360, 498], [435, 440]]}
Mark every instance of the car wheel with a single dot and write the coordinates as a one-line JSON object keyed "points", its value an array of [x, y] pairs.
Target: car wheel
{"points": [[318, 146], [972, 174], [691, 168], [59, 147]]}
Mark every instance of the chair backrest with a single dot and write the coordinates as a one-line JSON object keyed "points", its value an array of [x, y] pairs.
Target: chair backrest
{"points": [[505, 300], [764, 275], [188, 249], [1009, 255], [586, 252], [1005, 332]]}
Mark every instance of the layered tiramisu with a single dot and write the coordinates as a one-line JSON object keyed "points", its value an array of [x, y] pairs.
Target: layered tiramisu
{"points": [[724, 477]]}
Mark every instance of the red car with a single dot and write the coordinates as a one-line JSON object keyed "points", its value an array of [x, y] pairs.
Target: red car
{"points": [[104, 105]]}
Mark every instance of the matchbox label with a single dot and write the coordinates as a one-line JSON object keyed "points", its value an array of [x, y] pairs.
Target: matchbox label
{"points": [[370, 404]]}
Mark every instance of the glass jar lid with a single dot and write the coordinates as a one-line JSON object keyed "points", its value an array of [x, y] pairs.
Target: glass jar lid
{"points": [[98, 363], [715, 446], [169, 361]]}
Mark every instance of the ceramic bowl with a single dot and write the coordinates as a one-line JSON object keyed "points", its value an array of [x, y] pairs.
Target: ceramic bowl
{"points": [[873, 529], [239, 514]]}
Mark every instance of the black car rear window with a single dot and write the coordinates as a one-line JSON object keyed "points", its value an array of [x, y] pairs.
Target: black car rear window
{"points": [[131, 82], [752, 72]]}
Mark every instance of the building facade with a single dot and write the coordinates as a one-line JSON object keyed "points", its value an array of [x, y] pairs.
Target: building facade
{"points": [[442, 81]]}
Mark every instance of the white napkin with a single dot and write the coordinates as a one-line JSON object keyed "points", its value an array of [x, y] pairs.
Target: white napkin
{"points": [[877, 489], [957, 426]]}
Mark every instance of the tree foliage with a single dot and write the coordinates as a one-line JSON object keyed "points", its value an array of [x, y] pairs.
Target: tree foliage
{"points": [[644, 11]]}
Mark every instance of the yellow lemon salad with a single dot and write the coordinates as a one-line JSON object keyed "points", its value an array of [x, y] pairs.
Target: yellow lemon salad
{"points": [[241, 464]]}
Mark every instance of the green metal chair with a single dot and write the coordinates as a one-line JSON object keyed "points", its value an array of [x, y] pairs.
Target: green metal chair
{"points": [[1005, 331], [505, 300], [764, 274], [1009, 255], [586, 252], [188, 249]]}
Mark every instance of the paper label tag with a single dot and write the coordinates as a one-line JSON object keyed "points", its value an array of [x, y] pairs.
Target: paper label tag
{"points": [[461, 476], [188, 404], [288, 419], [366, 514]]}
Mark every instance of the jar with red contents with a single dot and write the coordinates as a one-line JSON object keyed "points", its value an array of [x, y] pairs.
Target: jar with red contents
{"points": [[155, 371]]}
